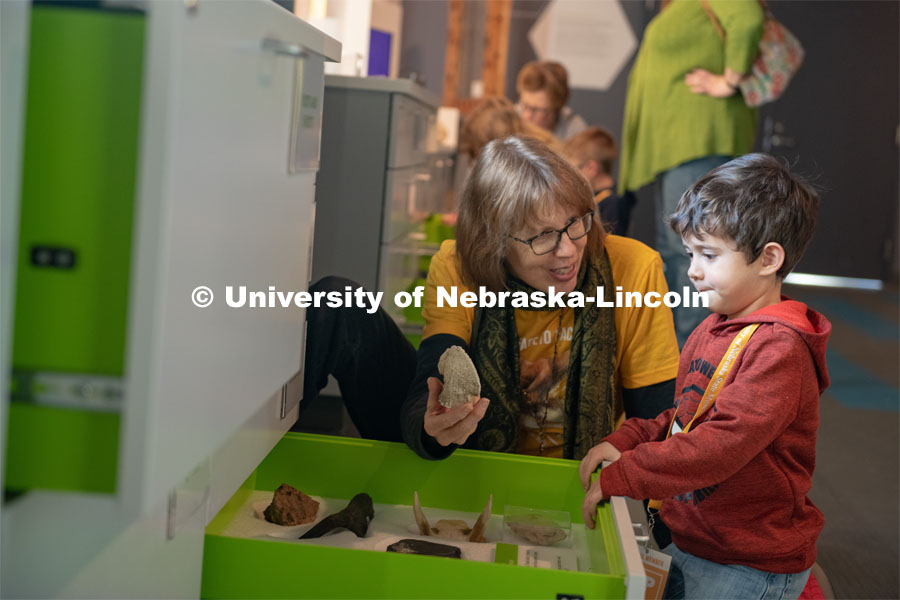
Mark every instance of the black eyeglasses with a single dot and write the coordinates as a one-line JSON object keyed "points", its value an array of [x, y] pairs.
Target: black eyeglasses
{"points": [[536, 110], [547, 242]]}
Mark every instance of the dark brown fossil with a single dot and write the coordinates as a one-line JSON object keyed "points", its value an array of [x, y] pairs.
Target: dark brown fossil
{"points": [[413, 546], [355, 517]]}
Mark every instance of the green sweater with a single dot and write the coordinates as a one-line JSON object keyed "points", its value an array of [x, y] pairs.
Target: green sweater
{"points": [[665, 123]]}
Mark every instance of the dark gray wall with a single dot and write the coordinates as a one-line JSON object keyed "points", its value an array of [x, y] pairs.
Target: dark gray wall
{"points": [[423, 42], [287, 5], [840, 115], [842, 110], [603, 108]]}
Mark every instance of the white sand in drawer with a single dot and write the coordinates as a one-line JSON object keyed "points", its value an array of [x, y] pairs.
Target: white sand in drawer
{"points": [[392, 523]]}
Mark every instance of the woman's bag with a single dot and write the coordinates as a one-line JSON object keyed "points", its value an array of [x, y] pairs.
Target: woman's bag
{"points": [[780, 56]]}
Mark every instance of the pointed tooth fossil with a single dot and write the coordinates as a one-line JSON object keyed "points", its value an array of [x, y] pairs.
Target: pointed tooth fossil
{"points": [[453, 529], [477, 534], [421, 521]]}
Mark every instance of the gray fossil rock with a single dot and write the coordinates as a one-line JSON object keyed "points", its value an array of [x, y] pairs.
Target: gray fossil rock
{"points": [[461, 383], [537, 532]]}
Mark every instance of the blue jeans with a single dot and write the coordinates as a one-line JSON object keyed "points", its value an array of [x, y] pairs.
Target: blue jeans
{"points": [[673, 184], [695, 578]]}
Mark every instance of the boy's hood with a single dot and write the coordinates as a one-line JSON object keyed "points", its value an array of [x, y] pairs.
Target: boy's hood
{"points": [[812, 327]]}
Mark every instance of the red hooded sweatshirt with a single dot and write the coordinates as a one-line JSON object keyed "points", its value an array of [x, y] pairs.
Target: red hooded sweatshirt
{"points": [[734, 487]]}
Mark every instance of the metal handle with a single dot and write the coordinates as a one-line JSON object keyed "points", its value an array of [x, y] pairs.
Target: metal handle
{"points": [[283, 48], [641, 535], [635, 576]]}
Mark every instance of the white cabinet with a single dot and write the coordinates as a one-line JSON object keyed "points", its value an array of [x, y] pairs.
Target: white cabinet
{"points": [[230, 126], [228, 159]]}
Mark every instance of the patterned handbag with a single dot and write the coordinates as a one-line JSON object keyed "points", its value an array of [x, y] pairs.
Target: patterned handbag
{"points": [[780, 55]]}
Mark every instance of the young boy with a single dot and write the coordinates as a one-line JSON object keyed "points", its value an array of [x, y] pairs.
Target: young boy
{"points": [[593, 152], [734, 487]]}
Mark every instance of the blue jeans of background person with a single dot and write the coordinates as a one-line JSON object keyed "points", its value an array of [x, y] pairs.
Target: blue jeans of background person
{"points": [[673, 183], [695, 578]]}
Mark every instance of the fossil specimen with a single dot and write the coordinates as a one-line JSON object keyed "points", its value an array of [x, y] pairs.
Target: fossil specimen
{"points": [[461, 383], [355, 517], [413, 546], [291, 507], [534, 529], [453, 529]]}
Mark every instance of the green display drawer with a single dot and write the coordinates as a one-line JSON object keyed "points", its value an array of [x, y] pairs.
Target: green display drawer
{"points": [[342, 467]]}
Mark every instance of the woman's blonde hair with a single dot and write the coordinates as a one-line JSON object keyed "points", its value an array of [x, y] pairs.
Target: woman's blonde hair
{"points": [[493, 118], [514, 180]]}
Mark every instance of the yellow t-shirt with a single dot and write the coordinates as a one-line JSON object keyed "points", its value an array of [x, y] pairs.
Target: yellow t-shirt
{"points": [[646, 350]]}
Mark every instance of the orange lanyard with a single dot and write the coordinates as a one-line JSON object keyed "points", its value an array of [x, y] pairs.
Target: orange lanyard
{"points": [[715, 384]]}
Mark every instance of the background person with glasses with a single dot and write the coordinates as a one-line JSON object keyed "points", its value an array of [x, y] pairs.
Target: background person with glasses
{"points": [[543, 88], [554, 381]]}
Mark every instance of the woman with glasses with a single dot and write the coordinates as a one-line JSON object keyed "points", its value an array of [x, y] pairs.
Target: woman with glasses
{"points": [[543, 89], [554, 381]]}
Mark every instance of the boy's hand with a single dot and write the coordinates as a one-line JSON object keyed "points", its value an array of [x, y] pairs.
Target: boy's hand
{"points": [[589, 507], [593, 459], [451, 425]]}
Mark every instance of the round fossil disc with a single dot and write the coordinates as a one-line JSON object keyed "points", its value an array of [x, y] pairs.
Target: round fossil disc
{"points": [[461, 383], [538, 533]]}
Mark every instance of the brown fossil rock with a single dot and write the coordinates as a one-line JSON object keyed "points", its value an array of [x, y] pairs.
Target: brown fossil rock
{"points": [[291, 507]]}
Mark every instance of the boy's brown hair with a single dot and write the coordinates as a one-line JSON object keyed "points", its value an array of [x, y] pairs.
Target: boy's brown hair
{"points": [[548, 76], [594, 143], [751, 200]]}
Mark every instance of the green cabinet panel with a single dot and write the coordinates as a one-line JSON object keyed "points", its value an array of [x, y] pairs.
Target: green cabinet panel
{"points": [[61, 449], [80, 157]]}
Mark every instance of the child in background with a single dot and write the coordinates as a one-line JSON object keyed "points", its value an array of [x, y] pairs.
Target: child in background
{"points": [[734, 476], [495, 118], [593, 152]]}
